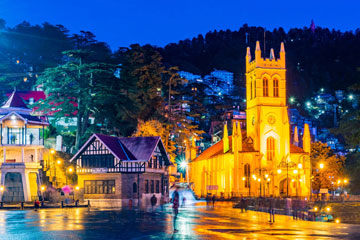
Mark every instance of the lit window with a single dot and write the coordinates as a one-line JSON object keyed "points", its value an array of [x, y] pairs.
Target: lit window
{"points": [[276, 88], [270, 149], [265, 87], [247, 175]]}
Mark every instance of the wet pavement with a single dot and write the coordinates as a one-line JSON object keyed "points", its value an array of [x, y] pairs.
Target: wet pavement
{"points": [[194, 222]]}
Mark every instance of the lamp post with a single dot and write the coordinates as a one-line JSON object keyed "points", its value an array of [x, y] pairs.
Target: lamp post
{"points": [[70, 170], [286, 164]]}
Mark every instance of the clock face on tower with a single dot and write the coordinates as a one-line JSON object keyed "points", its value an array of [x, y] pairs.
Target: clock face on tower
{"points": [[271, 119]]}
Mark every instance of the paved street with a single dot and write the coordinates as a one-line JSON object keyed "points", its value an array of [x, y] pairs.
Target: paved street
{"points": [[194, 222]]}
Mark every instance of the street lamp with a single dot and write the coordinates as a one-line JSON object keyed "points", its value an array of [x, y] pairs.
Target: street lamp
{"points": [[184, 165], [286, 164], [70, 170], [42, 189]]}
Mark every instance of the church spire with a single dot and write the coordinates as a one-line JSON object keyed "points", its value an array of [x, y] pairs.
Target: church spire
{"points": [[233, 136], [296, 136], [306, 138], [257, 51], [225, 139], [239, 140], [248, 54], [272, 55]]}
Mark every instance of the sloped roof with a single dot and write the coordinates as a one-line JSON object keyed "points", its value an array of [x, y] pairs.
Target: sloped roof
{"points": [[132, 148], [15, 101], [218, 149], [296, 149]]}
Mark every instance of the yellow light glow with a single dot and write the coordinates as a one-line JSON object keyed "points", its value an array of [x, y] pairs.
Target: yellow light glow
{"points": [[52, 151], [266, 175], [328, 209], [315, 209], [279, 171], [70, 169], [42, 188], [295, 171], [253, 176], [337, 220], [292, 180], [243, 178], [321, 165], [345, 180], [268, 179], [259, 180], [339, 181], [77, 188], [2, 188], [183, 164], [58, 162], [300, 166]]}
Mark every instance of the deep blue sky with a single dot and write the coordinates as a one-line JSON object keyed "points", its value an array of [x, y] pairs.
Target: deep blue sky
{"points": [[159, 22]]}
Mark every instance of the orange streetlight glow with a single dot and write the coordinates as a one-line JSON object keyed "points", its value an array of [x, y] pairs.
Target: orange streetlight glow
{"points": [[321, 165]]}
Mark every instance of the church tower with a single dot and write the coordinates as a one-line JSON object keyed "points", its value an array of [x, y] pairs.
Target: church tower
{"points": [[267, 117]]}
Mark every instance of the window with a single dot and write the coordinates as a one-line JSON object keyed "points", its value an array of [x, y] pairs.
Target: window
{"points": [[276, 88], [270, 148], [97, 161], [265, 87], [150, 163], [155, 161], [160, 161], [251, 89], [152, 186], [255, 88], [134, 188], [157, 186], [146, 186], [99, 186], [247, 175]]}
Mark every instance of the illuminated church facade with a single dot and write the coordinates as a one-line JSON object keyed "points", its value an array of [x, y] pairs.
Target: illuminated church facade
{"points": [[259, 158]]}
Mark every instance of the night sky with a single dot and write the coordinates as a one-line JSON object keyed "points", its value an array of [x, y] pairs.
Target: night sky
{"points": [[159, 22]]}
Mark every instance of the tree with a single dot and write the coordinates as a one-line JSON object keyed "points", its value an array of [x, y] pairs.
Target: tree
{"points": [[76, 88], [155, 128], [333, 169]]}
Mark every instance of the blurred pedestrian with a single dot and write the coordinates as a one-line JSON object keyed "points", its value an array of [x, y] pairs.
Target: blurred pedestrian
{"points": [[153, 201], [272, 210], [175, 200], [213, 200]]}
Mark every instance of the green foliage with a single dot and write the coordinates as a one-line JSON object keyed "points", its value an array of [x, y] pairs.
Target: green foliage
{"points": [[333, 169]]}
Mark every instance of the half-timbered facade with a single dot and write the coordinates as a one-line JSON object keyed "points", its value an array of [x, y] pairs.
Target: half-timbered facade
{"points": [[115, 171]]}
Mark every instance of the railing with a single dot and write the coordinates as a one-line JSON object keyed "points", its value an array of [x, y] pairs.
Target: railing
{"points": [[124, 167]]}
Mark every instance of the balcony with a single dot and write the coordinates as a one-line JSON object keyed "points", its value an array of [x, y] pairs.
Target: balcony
{"points": [[22, 136]]}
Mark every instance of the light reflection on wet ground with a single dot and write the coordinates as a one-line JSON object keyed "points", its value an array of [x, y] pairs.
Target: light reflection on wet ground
{"points": [[194, 222]]}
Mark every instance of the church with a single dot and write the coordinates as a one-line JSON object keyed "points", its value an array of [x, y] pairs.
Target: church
{"points": [[259, 158]]}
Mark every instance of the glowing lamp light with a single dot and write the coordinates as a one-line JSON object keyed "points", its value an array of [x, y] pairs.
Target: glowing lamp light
{"points": [[243, 178], [266, 175], [70, 169], [42, 188], [300, 180], [351, 97], [279, 171], [308, 104], [58, 162], [300, 166], [13, 117], [253, 176], [328, 209], [2, 188], [316, 209], [322, 89], [292, 100], [77, 188], [345, 180], [268, 179], [337, 220], [183, 164], [52, 151], [292, 180], [259, 180], [321, 165], [339, 181], [295, 171]]}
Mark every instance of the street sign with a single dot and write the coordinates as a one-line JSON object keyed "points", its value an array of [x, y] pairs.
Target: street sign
{"points": [[212, 187]]}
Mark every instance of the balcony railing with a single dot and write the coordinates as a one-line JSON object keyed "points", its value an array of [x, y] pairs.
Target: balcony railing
{"points": [[126, 167]]}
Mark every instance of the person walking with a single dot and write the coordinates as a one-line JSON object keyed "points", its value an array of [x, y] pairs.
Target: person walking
{"points": [[153, 201], [175, 201], [272, 210], [213, 200]]}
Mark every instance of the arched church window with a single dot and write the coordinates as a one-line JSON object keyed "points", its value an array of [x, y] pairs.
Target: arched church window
{"points": [[276, 87], [255, 88], [265, 87], [247, 175], [251, 89], [270, 148]]}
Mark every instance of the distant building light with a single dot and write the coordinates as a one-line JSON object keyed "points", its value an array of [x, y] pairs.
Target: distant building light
{"points": [[351, 97], [308, 104], [13, 117], [322, 90]]}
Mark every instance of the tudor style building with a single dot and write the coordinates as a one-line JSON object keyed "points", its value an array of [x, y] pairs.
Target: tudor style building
{"points": [[261, 159], [112, 171], [21, 148]]}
